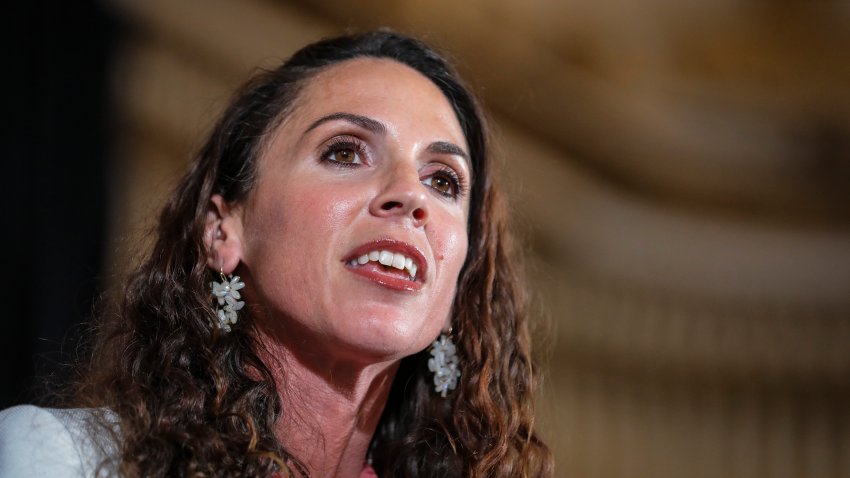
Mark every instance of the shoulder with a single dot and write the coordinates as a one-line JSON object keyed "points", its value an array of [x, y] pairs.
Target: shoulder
{"points": [[54, 442]]}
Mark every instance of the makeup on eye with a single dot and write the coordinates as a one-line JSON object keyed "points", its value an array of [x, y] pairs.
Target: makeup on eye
{"points": [[344, 151], [446, 182], [371, 126], [350, 152]]}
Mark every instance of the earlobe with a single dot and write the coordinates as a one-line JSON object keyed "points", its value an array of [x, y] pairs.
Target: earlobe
{"points": [[223, 235]]}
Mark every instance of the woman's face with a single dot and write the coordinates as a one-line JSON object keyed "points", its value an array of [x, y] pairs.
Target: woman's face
{"points": [[355, 234]]}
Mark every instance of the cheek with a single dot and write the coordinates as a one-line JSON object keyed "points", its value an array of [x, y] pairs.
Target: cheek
{"points": [[452, 254], [456, 241], [452, 247], [341, 209], [306, 212], [293, 246]]}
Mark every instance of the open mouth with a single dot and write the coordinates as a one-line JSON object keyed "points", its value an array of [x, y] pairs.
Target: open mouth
{"points": [[390, 263]]}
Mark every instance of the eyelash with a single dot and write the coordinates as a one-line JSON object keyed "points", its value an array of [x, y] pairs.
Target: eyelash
{"points": [[458, 184], [344, 144]]}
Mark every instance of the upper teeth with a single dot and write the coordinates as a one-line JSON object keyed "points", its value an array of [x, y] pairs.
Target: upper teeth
{"points": [[387, 258]]}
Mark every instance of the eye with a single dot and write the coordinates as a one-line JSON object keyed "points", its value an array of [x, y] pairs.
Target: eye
{"points": [[445, 182], [344, 152]]}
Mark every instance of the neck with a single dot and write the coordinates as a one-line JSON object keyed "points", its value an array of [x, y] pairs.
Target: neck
{"points": [[331, 406]]}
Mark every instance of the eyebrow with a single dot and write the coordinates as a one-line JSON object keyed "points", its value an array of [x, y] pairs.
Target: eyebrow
{"points": [[444, 147], [374, 126], [362, 121]]}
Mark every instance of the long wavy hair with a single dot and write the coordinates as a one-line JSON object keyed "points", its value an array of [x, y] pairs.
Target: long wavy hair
{"points": [[193, 401]]}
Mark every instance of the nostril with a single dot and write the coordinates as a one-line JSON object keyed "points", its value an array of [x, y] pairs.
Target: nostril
{"points": [[390, 205]]}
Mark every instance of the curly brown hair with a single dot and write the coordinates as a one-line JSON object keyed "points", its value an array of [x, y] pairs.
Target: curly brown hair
{"points": [[192, 401]]}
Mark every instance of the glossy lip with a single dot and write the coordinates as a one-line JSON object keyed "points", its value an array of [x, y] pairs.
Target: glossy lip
{"points": [[383, 278]]}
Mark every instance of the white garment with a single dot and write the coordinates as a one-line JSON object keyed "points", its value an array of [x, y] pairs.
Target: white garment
{"points": [[55, 443]]}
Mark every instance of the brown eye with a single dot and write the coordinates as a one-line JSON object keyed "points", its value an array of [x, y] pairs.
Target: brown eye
{"points": [[444, 182], [344, 156], [344, 153], [441, 184]]}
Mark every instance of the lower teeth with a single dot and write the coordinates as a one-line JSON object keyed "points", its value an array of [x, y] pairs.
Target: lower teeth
{"points": [[353, 263]]}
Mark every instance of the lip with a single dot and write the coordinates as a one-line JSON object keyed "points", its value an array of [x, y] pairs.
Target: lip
{"points": [[376, 275]]}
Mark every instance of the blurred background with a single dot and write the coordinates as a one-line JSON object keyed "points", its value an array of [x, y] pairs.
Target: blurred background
{"points": [[679, 170]]}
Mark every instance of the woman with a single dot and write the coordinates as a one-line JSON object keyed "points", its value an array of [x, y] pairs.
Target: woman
{"points": [[340, 219]]}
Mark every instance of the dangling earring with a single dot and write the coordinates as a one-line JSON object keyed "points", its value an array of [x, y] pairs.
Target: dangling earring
{"points": [[443, 363], [227, 293]]}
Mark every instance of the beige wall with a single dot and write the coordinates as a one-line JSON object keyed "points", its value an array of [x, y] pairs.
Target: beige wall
{"points": [[680, 170]]}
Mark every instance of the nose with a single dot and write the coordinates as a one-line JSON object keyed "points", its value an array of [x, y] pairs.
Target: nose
{"points": [[402, 195]]}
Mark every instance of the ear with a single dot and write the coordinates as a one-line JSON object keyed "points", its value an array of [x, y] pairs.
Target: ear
{"points": [[223, 235]]}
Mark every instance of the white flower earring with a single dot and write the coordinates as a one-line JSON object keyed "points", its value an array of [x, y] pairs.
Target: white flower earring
{"points": [[443, 363], [227, 294]]}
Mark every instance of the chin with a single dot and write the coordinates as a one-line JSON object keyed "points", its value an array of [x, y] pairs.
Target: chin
{"points": [[385, 337]]}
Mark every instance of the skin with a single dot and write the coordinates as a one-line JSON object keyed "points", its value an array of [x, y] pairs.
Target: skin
{"points": [[334, 338]]}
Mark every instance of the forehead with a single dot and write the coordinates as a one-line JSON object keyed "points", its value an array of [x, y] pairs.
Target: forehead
{"points": [[383, 89]]}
